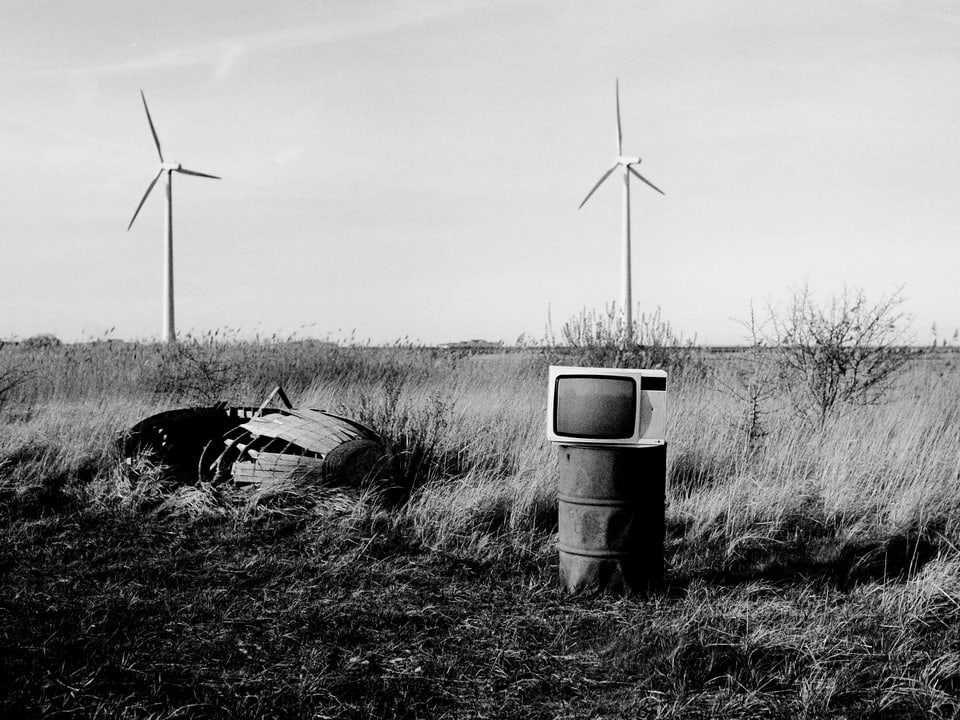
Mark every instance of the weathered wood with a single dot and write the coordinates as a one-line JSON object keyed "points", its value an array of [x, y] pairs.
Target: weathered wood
{"points": [[254, 444], [275, 465]]}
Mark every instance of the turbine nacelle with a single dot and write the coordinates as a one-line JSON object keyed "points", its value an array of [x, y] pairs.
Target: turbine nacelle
{"points": [[167, 167], [627, 164]]}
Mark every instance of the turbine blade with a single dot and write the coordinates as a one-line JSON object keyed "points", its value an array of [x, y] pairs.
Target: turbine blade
{"points": [[619, 129], [599, 183], [144, 199], [198, 174], [153, 130], [646, 181]]}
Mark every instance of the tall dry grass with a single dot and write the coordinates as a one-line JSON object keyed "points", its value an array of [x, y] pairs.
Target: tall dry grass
{"points": [[468, 431], [871, 470]]}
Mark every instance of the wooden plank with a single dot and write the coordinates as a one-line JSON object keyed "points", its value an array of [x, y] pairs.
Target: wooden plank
{"points": [[311, 430], [269, 465]]}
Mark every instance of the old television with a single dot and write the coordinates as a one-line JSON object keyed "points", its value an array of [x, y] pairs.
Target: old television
{"points": [[606, 406]]}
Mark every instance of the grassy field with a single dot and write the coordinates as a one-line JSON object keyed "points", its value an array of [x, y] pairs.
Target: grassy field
{"points": [[814, 571]]}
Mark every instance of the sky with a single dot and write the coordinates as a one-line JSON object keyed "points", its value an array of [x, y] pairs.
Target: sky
{"points": [[413, 169]]}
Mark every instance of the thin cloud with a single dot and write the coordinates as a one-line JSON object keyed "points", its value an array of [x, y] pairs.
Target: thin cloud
{"points": [[222, 56]]}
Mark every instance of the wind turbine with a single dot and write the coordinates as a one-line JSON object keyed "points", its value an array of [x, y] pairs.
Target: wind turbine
{"points": [[168, 333], [627, 164]]}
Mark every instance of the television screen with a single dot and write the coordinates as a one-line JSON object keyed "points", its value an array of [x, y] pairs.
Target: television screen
{"points": [[595, 407]]}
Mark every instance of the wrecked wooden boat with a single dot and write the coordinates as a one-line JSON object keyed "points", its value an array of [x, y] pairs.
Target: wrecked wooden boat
{"points": [[247, 445], [295, 443], [175, 438]]}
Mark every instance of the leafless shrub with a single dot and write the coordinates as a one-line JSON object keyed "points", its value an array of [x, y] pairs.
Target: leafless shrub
{"points": [[605, 340], [10, 377], [754, 382], [197, 369], [846, 352]]}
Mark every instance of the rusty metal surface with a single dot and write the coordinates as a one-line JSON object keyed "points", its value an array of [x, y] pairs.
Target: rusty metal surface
{"points": [[611, 517]]}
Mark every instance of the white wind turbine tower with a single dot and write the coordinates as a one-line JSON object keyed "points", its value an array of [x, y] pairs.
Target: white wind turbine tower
{"points": [[627, 164], [168, 333]]}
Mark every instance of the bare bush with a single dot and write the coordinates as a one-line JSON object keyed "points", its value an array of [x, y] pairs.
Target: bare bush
{"points": [[845, 352], [10, 377], [197, 369], [754, 381], [604, 339]]}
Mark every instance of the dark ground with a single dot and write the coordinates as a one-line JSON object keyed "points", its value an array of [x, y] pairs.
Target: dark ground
{"points": [[115, 614]]}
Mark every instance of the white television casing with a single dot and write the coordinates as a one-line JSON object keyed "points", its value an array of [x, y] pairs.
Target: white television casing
{"points": [[649, 411]]}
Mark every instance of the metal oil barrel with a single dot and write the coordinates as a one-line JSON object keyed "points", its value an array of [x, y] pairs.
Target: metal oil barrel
{"points": [[611, 518]]}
